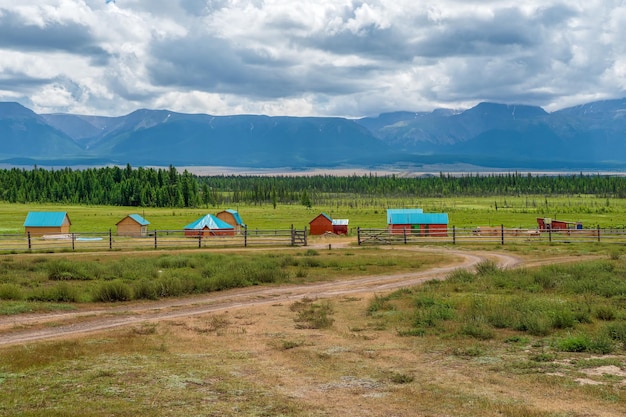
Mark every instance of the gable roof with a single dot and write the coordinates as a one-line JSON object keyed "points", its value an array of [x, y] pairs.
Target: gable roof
{"points": [[210, 222], [236, 216], [324, 215], [46, 219], [403, 216], [137, 218]]}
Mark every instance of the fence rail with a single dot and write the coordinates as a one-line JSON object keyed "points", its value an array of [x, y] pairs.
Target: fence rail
{"points": [[499, 235], [156, 239]]}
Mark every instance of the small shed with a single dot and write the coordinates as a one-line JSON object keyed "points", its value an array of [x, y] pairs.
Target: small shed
{"points": [[340, 226], [417, 222], [548, 223], [39, 223], [233, 218], [209, 225], [321, 224], [132, 225]]}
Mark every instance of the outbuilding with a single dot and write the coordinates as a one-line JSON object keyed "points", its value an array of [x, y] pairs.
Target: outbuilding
{"points": [[209, 225], [39, 223], [323, 223], [233, 218], [415, 221], [133, 225]]}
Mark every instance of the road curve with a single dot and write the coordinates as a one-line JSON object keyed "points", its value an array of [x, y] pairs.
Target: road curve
{"points": [[30, 328]]}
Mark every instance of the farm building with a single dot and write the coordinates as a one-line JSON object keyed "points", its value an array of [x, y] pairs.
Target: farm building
{"points": [[233, 218], [552, 224], [39, 223], [323, 223], [132, 225], [209, 225], [417, 222]]}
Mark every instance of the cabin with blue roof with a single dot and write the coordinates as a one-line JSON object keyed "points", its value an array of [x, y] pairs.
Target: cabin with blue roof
{"points": [[233, 218], [415, 221], [39, 223], [132, 225], [209, 225]]}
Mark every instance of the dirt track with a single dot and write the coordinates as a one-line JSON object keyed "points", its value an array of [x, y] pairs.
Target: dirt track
{"points": [[37, 327]]}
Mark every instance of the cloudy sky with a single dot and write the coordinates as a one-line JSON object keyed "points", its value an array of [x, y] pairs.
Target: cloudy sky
{"points": [[347, 58]]}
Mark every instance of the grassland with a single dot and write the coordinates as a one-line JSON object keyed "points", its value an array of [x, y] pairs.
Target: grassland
{"points": [[547, 341], [368, 213]]}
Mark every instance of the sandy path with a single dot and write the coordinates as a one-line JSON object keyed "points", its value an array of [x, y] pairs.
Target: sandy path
{"points": [[36, 327]]}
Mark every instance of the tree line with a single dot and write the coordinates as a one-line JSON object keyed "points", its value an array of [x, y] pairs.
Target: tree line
{"points": [[167, 187]]}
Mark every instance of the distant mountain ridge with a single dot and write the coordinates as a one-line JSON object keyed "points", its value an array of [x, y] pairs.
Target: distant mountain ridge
{"points": [[589, 136]]}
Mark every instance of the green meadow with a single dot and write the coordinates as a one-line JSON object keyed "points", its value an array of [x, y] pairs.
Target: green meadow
{"points": [[519, 212]]}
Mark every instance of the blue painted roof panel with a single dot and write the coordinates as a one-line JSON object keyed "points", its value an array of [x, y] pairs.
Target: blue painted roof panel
{"points": [[404, 216], [46, 219], [209, 221], [236, 215], [139, 219]]}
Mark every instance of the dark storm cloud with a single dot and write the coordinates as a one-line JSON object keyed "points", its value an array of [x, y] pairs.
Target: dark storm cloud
{"points": [[216, 65], [16, 34]]}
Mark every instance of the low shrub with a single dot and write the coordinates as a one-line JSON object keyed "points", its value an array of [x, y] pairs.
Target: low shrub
{"points": [[61, 293], [11, 292], [314, 315], [113, 291]]}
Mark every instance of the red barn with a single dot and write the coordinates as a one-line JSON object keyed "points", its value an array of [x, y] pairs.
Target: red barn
{"points": [[321, 224]]}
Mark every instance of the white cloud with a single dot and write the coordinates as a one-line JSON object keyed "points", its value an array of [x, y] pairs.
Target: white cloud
{"points": [[308, 57]]}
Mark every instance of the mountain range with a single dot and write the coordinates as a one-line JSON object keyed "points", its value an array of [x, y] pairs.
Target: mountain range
{"points": [[493, 135]]}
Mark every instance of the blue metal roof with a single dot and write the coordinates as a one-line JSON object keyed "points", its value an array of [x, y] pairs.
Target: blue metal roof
{"points": [[139, 219], [236, 215], [46, 219], [403, 216], [209, 221]]}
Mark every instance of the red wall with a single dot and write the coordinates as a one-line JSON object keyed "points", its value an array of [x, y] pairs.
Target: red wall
{"points": [[320, 225]]}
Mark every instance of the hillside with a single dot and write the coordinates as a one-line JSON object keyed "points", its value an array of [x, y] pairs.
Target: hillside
{"points": [[590, 136]]}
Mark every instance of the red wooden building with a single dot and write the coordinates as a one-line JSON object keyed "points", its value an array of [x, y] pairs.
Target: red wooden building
{"points": [[415, 221], [323, 223]]}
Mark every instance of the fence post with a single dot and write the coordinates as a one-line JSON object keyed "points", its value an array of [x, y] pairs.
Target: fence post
{"points": [[293, 237], [245, 236], [598, 233], [502, 232], [200, 238], [358, 235], [73, 240], [155, 239], [305, 240], [29, 242], [110, 239], [550, 234], [404, 233], [454, 235]]}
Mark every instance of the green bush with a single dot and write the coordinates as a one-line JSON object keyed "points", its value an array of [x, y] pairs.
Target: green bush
{"points": [[11, 292], [605, 312], [145, 290], [62, 293], [64, 270], [113, 291]]}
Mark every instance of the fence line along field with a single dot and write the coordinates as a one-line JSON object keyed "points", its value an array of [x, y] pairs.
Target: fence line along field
{"points": [[520, 212]]}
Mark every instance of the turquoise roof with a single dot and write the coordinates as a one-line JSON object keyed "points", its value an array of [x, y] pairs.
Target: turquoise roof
{"points": [[236, 215], [45, 219], [139, 219], [210, 222], [415, 216], [403, 216]]}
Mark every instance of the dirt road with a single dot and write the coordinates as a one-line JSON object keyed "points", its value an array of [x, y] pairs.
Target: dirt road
{"points": [[37, 327]]}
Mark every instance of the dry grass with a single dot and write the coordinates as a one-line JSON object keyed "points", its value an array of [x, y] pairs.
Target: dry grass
{"points": [[259, 362]]}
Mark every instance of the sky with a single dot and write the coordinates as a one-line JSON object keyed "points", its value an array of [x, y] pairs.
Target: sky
{"points": [[345, 58]]}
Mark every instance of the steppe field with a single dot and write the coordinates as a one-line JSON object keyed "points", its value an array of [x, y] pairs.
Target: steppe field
{"points": [[330, 329]]}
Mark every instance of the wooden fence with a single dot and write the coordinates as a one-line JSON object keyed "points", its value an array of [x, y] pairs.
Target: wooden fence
{"points": [[156, 239], [499, 235]]}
